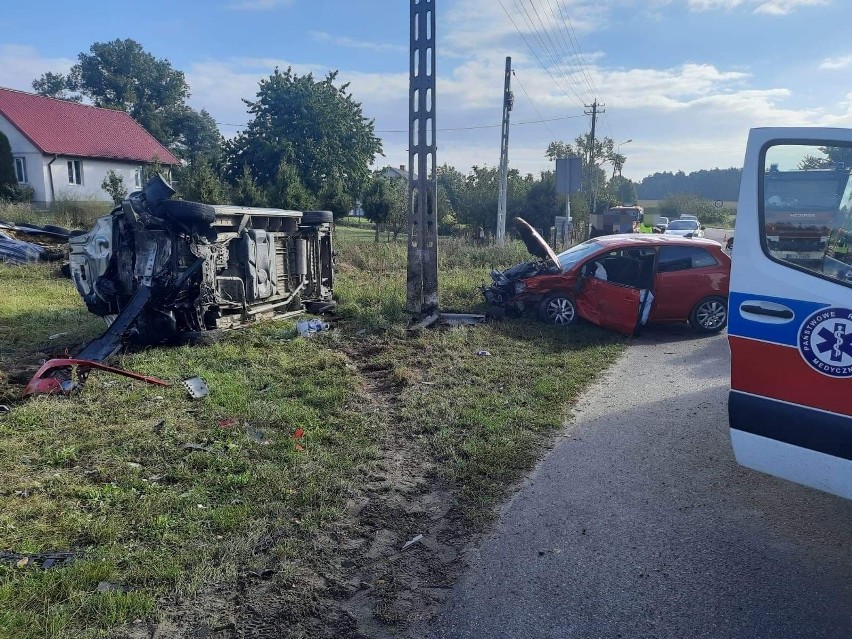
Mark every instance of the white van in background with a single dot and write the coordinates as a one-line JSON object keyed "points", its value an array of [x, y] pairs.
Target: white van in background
{"points": [[790, 315]]}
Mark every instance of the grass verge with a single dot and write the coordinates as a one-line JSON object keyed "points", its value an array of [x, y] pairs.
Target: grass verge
{"points": [[264, 505]]}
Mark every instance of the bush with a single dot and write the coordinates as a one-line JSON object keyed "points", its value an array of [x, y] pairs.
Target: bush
{"points": [[17, 193]]}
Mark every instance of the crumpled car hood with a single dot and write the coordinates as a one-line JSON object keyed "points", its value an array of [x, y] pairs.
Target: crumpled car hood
{"points": [[534, 242]]}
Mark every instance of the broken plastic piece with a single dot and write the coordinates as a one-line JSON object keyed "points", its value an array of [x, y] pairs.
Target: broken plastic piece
{"points": [[54, 376], [196, 387], [306, 328], [412, 541], [461, 319], [483, 353]]}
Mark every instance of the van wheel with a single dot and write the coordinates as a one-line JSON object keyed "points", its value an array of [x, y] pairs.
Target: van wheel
{"points": [[315, 218], [710, 315], [558, 310]]}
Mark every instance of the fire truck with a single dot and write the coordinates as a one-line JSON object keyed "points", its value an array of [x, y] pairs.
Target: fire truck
{"points": [[801, 209]]}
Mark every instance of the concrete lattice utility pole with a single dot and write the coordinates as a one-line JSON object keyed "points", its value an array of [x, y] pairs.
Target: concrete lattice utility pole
{"points": [[508, 101], [422, 280]]}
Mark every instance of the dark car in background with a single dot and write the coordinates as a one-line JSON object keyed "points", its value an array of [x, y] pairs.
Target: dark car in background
{"points": [[618, 282]]}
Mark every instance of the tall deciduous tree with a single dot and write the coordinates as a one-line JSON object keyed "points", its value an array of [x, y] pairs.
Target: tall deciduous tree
{"points": [[55, 85], [315, 126], [121, 75]]}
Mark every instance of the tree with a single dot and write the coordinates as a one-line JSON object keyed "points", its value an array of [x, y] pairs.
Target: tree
{"points": [[10, 190], [398, 218], [594, 177], [832, 156], [113, 184], [315, 126], [200, 183], [196, 136], [288, 192], [333, 197], [8, 179], [246, 192], [377, 201], [121, 75], [55, 85]]}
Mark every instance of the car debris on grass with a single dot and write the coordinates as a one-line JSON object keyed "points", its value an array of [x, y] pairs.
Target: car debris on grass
{"points": [[161, 270]]}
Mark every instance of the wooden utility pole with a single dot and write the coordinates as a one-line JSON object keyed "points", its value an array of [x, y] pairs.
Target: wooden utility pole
{"points": [[422, 280], [508, 100], [595, 110]]}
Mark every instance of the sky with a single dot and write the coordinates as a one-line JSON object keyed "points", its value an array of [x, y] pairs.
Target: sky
{"points": [[682, 81]]}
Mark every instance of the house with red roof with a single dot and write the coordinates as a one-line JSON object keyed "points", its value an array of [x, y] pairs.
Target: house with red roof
{"points": [[64, 150]]}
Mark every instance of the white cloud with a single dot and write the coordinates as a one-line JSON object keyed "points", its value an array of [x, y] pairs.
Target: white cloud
{"points": [[770, 7], [784, 7], [833, 64], [343, 41], [21, 64], [257, 5]]}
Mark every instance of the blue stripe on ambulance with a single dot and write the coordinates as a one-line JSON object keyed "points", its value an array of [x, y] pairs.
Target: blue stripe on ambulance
{"points": [[786, 333]]}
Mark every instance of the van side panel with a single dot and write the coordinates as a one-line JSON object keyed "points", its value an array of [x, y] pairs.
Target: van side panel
{"points": [[787, 417]]}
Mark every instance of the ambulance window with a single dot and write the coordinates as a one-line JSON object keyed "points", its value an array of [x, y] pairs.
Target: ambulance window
{"points": [[806, 209]]}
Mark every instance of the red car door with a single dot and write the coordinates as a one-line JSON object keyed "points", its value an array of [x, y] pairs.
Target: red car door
{"points": [[609, 305]]}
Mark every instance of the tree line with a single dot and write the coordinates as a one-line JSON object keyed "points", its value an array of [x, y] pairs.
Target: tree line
{"points": [[712, 184]]}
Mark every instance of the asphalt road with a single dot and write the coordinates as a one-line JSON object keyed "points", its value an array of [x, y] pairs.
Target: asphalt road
{"points": [[640, 524]]}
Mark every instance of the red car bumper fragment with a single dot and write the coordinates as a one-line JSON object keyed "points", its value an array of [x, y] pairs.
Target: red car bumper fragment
{"points": [[54, 376]]}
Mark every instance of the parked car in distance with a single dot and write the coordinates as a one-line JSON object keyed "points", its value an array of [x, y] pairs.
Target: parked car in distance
{"points": [[685, 228], [662, 224], [687, 216], [618, 282]]}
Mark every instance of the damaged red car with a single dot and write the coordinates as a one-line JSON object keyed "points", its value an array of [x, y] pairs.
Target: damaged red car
{"points": [[619, 282]]}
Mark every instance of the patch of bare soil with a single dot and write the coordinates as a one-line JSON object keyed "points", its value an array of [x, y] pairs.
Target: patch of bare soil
{"points": [[370, 581]]}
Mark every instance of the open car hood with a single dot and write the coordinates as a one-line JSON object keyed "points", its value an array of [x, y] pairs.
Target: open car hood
{"points": [[535, 243]]}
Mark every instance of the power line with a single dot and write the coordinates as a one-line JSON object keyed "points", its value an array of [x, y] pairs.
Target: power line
{"points": [[557, 51], [575, 45], [529, 22], [532, 104], [576, 64], [543, 66], [470, 128], [492, 126]]}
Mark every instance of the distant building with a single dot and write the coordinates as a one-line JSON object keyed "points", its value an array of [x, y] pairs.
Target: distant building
{"points": [[64, 150], [393, 173]]}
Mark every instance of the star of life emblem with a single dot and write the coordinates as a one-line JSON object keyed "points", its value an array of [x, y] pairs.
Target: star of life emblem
{"points": [[825, 341]]}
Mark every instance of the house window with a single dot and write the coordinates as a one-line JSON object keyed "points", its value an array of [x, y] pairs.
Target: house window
{"points": [[75, 172], [21, 169], [137, 176]]}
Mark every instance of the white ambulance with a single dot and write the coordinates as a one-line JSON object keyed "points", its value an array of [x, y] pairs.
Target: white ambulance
{"points": [[790, 325]]}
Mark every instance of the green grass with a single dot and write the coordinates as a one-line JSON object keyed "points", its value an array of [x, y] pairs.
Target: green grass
{"points": [[108, 474]]}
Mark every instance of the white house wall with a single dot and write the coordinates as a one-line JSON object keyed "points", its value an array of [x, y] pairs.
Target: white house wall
{"points": [[94, 173], [22, 147]]}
